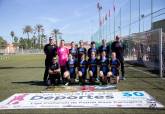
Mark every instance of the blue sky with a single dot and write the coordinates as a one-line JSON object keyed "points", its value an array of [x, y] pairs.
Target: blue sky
{"points": [[77, 19]]}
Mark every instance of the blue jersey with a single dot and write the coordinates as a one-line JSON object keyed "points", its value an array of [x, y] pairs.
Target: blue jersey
{"points": [[104, 63], [82, 66], [90, 50], [71, 67], [74, 52], [106, 49], [115, 64], [92, 65], [80, 52]]}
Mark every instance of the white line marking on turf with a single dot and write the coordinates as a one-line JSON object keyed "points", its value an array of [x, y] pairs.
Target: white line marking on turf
{"points": [[142, 71]]}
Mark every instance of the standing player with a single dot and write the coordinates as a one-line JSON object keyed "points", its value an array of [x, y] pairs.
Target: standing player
{"points": [[82, 69], [81, 50], [114, 66], [70, 73], [73, 50], [92, 49], [118, 48], [62, 52], [54, 73], [104, 47], [104, 68], [92, 65], [50, 51]]}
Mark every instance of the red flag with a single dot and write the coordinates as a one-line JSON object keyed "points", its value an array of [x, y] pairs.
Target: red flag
{"points": [[109, 13]]}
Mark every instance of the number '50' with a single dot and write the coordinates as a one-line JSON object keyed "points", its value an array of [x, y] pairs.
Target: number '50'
{"points": [[127, 94]]}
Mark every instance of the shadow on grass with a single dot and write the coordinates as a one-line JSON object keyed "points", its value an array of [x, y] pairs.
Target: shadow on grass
{"points": [[19, 67], [36, 83]]}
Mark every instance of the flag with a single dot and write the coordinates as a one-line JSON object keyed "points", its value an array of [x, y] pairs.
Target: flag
{"points": [[114, 6], [103, 21], [98, 6], [105, 17], [100, 23], [109, 13]]}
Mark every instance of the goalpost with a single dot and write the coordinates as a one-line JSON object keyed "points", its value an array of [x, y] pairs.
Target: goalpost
{"points": [[146, 48]]}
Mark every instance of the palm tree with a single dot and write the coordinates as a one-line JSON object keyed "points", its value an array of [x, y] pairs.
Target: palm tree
{"points": [[28, 29], [56, 32], [12, 35], [38, 28]]}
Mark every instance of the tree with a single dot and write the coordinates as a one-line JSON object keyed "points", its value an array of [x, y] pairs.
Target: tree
{"points": [[15, 41], [12, 35], [27, 30], [38, 28], [56, 32], [3, 43]]}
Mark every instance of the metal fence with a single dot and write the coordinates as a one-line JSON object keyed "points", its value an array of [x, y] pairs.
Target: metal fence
{"points": [[146, 48], [20, 51]]}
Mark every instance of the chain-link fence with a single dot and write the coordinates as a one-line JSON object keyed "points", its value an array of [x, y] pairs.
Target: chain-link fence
{"points": [[11, 51]]}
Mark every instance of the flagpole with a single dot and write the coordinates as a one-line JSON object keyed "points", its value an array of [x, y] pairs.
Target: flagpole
{"points": [[106, 29], [103, 29], [130, 20], [151, 13], [114, 18], [106, 25], [139, 15], [120, 22], [109, 26], [99, 9]]}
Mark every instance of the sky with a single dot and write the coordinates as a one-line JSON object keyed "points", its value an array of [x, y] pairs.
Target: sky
{"points": [[76, 19]]}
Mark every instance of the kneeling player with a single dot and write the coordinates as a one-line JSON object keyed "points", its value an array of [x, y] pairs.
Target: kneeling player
{"points": [[104, 68], [70, 73], [114, 65], [92, 65], [82, 68], [54, 73]]}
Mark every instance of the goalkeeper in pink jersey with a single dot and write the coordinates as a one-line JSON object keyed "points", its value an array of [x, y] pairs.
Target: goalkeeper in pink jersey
{"points": [[62, 53]]}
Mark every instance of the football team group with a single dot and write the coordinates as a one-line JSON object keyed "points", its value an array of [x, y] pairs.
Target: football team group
{"points": [[81, 65]]}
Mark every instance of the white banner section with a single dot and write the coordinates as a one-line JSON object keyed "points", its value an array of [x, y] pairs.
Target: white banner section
{"points": [[123, 99]]}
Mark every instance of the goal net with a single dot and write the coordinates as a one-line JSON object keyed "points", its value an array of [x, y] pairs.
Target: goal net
{"points": [[146, 48]]}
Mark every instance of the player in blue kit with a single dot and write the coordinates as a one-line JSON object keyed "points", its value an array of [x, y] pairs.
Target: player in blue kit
{"points": [[82, 69], [114, 68], [92, 49], [81, 50], [92, 65], [73, 50], [104, 68], [70, 73]]}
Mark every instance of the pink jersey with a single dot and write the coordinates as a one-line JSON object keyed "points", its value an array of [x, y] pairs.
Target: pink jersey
{"points": [[62, 55]]}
